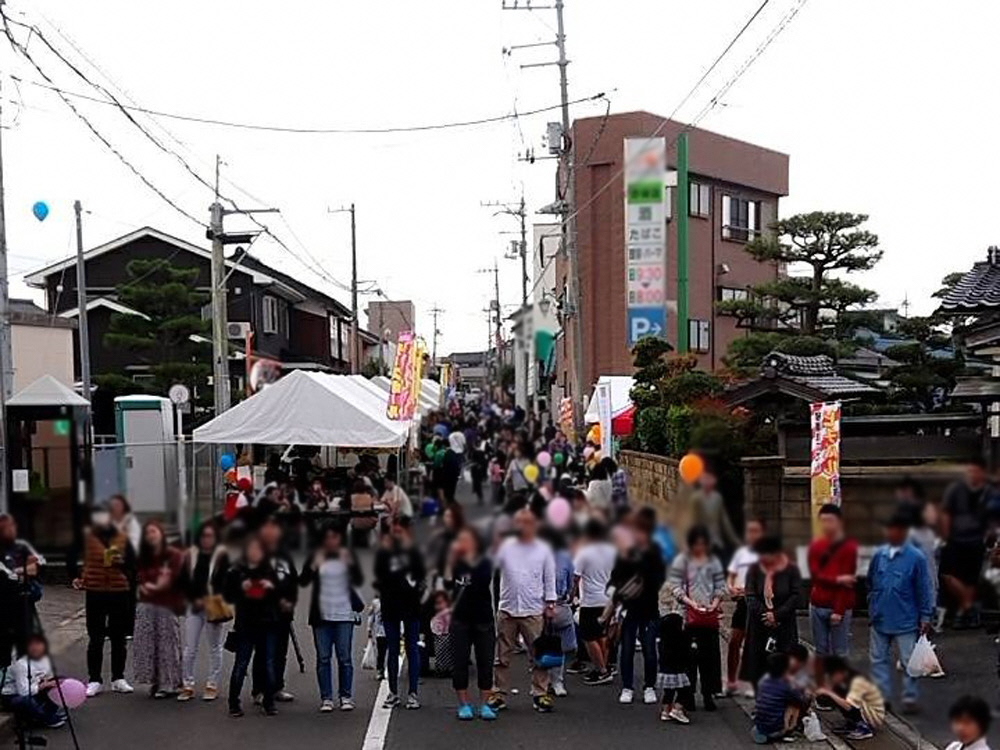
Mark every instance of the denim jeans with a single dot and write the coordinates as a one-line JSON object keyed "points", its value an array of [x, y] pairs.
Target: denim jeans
{"points": [[263, 642], [883, 663], [645, 630], [330, 637], [393, 630], [830, 639], [215, 634], [34, 709]]}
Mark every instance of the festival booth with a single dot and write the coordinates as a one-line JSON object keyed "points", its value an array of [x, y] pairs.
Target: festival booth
{"points": [[622, 408], [429, 393]]}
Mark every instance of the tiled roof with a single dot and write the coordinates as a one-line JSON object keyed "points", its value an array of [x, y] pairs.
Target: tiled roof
{"points": [[790, 364], [976, 389], [816, 372], [979, 289]]}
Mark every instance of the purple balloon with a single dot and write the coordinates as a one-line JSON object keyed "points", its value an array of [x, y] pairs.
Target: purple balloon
{"points": [[70, 693]]}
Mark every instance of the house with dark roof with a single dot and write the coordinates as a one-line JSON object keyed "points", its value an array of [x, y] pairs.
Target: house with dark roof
{"points": [[810, 379], [292, 323]]}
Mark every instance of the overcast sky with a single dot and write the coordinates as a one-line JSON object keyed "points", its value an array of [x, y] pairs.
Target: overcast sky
{"points": [[886, 107]]}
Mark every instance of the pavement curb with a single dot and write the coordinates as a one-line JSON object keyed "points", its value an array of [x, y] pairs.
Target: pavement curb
{"points": [[831, 740]]}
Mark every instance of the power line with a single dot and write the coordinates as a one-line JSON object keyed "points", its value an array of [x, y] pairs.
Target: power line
{"points": [[50, 85], [712, 104]]}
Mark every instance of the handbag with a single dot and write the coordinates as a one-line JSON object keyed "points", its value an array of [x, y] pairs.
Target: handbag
{"points": [[697, 618], [217, 609]]}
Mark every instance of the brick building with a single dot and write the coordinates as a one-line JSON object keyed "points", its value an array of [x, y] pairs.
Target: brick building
{"points": [[735, 188]]}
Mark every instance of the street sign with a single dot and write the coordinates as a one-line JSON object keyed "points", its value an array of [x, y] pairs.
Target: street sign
{"points": [[646, 321], [179, 394]]}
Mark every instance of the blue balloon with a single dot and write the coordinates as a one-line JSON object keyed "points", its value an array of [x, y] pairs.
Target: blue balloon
{"points": [[40, 210], [227, 461]]}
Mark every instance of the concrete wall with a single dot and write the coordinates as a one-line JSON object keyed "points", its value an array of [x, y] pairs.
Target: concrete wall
{"points": [[780, 494], [40, 350]]}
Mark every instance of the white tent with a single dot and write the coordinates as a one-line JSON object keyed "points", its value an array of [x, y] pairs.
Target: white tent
{"points": [[621, 399], [308, 408], [427, 401]]}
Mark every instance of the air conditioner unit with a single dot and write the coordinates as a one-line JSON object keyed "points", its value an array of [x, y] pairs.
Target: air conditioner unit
{"points": [[237, 330]]}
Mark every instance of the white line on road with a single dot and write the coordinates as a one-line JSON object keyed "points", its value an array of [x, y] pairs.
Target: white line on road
{"points": [[378, 723]]}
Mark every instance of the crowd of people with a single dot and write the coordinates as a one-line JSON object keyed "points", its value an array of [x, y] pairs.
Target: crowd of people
{"points": [[563, 565]]}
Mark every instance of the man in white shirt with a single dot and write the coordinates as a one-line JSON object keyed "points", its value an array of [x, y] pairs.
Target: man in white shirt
{"points": [[527, 598], [593, 565]]}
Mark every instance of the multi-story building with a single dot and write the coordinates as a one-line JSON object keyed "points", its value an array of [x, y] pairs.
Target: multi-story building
{"points": [[387, 318], [734, 192]]}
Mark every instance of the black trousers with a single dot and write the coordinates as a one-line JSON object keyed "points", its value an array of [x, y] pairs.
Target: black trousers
{"points": [[468, 638], [706, 660], [109, 615], [282, 635]]}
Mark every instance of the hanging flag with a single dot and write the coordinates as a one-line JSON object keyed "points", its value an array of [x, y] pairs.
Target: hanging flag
{"points": [[825, 465], [566, 422], [405, 388]]}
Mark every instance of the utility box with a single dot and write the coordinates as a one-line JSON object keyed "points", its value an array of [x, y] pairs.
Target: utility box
{"points": [[147, 465]]}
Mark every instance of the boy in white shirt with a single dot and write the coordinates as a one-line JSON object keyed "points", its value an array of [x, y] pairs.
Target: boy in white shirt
{"points": [[970, 721], [28, 685]]}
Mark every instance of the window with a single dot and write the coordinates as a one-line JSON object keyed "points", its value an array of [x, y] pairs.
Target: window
{"points": [[699, 339], [270, 307], [728, 294], [740, 218], [700, 199]]}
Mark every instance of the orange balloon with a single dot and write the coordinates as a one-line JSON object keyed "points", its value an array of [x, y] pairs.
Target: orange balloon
{"points": [[691, 468]]}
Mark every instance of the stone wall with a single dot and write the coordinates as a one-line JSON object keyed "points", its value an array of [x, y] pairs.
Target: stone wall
{"points": [[781, 495], [652, 480]]}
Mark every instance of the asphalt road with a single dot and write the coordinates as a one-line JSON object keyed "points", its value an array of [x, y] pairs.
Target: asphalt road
{"points": [[589, 717]]}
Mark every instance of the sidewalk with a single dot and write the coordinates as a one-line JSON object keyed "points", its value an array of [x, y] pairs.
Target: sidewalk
{"points": [[969, 659]]}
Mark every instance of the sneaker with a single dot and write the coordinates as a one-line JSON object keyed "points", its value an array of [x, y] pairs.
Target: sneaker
{"points": [[861, 731], [211, 693], [496, 703], [56, 724], [347, 704], [379, 676], [576, 667], [412, 703], [709, 702], [391, 701], [543, 704], [186, 694], [466, 712], [94, 689], [626, 696], [559, 689], [732, 688], [326, 706], [649, 696], [270, 711], [487, 713], [258, 699], [236, 712], [677, 714], [283, 696], [597, 678], [121, 686], [750, 693], [158, 694]]}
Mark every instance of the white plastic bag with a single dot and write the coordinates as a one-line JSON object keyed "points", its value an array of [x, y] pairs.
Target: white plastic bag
{"points": [[369, 659], [924, 661], [811, 727]]}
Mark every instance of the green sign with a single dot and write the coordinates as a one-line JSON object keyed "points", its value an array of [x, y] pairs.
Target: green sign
{"points": [[646, 191], [62, 427]]}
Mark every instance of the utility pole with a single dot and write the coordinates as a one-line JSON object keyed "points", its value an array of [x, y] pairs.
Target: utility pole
{"points": [[81, 304], [519, 248], [355, 364], [567, 201], [497, 332], [435, 311], [220, 317], [6, 364]]}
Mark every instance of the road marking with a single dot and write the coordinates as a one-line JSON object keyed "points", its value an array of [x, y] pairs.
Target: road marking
{"points": [[378, 723]]}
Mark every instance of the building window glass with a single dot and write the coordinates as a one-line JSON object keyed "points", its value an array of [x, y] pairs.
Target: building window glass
{"points": [[699, 339], [700, 200], [740, 218], [270, 309], [728, 294]]}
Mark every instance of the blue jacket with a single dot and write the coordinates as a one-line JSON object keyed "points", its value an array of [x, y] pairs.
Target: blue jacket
{"points": [[900, 592]]}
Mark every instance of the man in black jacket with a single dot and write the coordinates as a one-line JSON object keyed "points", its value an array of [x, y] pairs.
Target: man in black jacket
{"points": [[271, 537]]}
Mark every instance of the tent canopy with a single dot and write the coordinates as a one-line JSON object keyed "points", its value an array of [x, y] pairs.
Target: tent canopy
{"points": [[308, 408], [621, 399]]}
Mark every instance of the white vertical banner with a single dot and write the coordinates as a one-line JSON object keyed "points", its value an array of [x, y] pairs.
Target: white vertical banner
{"points": [[604, 414]]}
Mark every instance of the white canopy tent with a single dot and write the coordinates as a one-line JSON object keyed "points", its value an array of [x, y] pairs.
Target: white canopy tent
{"points": [[621, 399], [427, 402], [308, 408]]}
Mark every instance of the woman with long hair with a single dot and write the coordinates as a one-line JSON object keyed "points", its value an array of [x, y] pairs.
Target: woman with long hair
{"points": [[156, 655], [203, 576]]}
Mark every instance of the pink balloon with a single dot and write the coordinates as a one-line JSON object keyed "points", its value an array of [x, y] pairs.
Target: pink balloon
{"points": [[544, 459], [558, 513], [588, 452], [70, 693]]}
